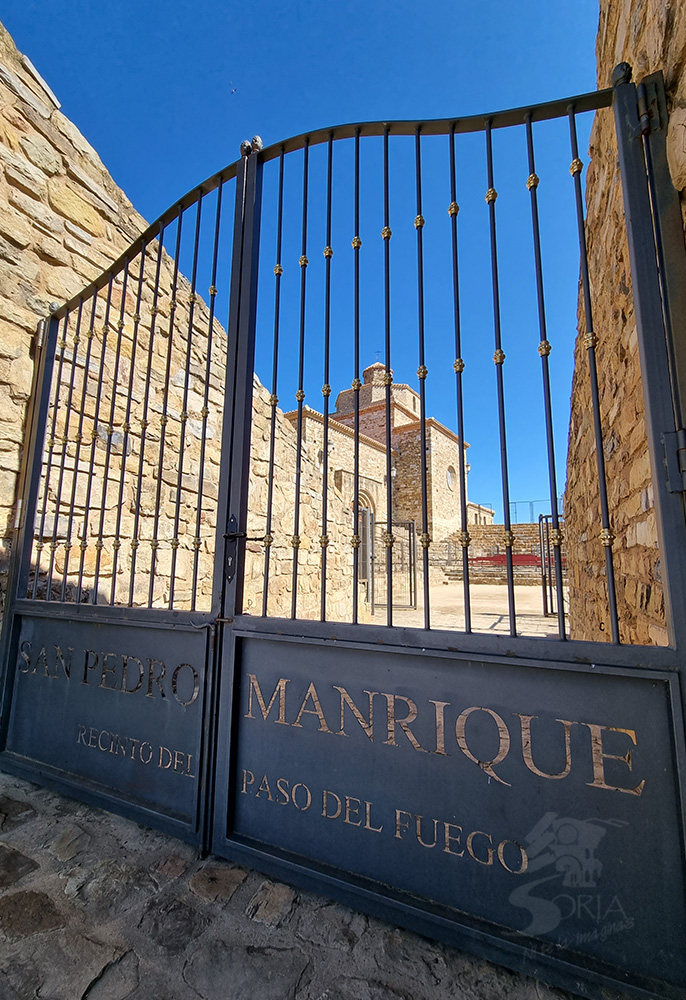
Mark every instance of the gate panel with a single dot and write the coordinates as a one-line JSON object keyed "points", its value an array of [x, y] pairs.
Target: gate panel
{"points": [[492, 793], [470, 768], [110, 624], [117, 707]]}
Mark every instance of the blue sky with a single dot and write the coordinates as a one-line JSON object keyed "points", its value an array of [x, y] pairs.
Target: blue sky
{"points": [[165, 92]]}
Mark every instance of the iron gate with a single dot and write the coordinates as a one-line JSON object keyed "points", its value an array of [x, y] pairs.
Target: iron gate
{"points": [[494, 791], [404, 567], [549, 588]]}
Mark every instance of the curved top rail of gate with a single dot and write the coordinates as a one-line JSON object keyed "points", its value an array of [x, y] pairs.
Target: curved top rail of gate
{"points": [[592, 101], [130, 474]]}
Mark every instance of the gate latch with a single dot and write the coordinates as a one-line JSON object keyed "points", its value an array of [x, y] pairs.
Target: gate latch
{"points": [[674, 445], [232, 534]]}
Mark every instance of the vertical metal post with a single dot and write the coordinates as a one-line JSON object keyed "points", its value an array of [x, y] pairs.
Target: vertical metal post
{"points": [[652, 346], [388, 381], [356, 386], [273, 399], [235, 460], [326, 387], [234, 475], [499, 359], [458, 368], [300, 391], [27, 498], [213, 291]]}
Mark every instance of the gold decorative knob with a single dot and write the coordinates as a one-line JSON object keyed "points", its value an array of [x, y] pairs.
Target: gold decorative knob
{"points": [[607, 537]]}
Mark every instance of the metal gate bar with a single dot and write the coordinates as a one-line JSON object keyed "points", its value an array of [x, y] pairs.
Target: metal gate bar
{"points": [[544, 349], [459, 366], [590, 341]]}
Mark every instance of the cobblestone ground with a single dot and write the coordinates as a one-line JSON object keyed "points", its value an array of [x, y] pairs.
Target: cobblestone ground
{"points": [[93, 907]]}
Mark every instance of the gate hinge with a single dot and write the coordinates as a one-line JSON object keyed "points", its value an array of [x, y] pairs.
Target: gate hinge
{"points": [[648, 108], [674, 445], [17, 516], [40, 334]]}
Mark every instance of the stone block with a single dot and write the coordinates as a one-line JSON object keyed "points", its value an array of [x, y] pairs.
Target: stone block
{"points": [[52, 251], [172, 925], [67, 203], [69, 843], [16, 314], [217, 882], [271, 904], [14, 812], [27, 178], [676, 147], [14, 227], [27, 96], [41, 154], [9, 253], [88, 182], [14, 866], [14, 342], [36, 211], [256, 972], [23, 914]]}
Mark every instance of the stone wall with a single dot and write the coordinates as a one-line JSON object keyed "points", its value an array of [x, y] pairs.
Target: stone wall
{"points": [[650, 35], [127, 506], [339, 512], [487, 542], [62, 220]]}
